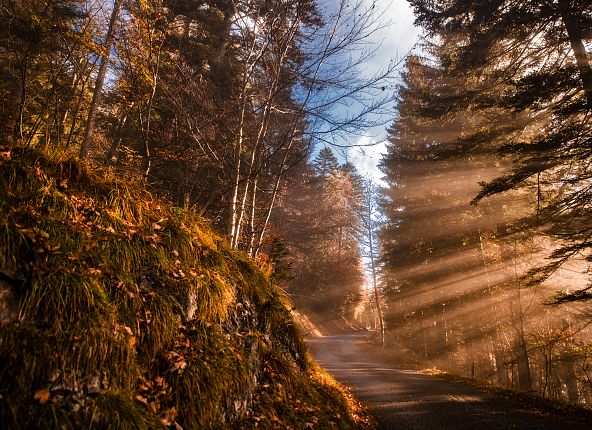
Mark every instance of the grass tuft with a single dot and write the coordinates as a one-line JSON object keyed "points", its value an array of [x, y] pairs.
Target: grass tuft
{"points": [[120, 311]]}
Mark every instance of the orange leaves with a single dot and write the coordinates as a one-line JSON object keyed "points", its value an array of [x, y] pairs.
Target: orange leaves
{"points": [[176, 361], [179, 274], [169, 419], [94, 273], [39, 239], [42, 395], [154, 394], [125, 332], [38, 172], [153, 406], [142, 399]]}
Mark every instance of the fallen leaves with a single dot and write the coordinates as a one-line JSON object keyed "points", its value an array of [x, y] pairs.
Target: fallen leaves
{"points": [[176, 361], [153, 406], [38, 172], [178, 274], [93, 273], [42, 395], [154, 395], [38, 238], [169, 419]]}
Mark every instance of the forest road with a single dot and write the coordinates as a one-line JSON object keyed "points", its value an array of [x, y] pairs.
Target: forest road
{"points": [[407, 400]]}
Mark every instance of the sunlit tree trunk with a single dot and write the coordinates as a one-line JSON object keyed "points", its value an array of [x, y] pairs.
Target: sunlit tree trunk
{"points": [[568, 363], [97, 94], [375, 290], [233, 216], [253, 168], [236, 204], [369, 224], [22, 93], [146, 131], [276, 69], [252, 232], [500, 369], [520, 347]]}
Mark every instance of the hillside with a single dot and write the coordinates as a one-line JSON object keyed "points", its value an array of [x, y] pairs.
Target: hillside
{"points": [[121, 311]]}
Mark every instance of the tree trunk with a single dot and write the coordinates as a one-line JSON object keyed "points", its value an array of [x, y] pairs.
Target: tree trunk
{"points": [[377, 301], [372, 257], [76, 110], [110, 156], [147, 150], [23, 98], [97, 94], [521, 354], [238, 149], [574, 33], [252, 172], [568, 362], [500, 368], [520, 350], [10, 117], [276, 188], [252, 219]]}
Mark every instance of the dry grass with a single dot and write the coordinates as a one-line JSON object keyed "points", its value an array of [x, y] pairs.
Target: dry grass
{"points": [[131, 314]]}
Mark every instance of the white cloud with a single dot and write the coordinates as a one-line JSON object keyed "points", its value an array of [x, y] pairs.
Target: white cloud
{"points": [[398, 35], [366, 158], [397, 39]]}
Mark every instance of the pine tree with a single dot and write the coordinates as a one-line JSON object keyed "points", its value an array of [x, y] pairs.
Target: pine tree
{"points": [[537, 50]]}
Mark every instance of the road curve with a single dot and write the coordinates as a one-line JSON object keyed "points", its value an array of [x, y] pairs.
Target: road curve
{"points": [[407, 400]]}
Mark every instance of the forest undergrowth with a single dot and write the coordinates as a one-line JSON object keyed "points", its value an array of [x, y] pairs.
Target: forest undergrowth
{"points": [[122, 311]]}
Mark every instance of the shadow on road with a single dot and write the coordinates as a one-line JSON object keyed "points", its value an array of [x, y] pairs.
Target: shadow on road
{"points": [[407, 400]]}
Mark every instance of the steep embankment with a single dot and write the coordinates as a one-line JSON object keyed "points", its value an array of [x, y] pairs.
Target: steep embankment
{"points": [[120, 311]]}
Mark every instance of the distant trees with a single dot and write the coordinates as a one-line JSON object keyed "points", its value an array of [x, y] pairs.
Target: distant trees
{"points": [[370, 222], [319, 220], [38, 66]]}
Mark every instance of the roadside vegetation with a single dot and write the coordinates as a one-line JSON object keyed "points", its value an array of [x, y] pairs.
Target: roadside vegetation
{"points": [[122, 311]]}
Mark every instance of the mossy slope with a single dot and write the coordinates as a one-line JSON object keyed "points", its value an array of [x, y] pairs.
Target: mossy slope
{"points": [[121, 311]]}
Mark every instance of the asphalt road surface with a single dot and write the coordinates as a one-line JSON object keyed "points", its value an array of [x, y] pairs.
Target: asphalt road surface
{"points": [[407, 400]]}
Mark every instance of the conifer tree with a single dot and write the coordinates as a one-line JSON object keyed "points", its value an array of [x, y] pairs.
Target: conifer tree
{"points": [[538, 51]]}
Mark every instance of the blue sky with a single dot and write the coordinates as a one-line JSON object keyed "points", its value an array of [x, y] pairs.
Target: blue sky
{"points": [[397, 40]]}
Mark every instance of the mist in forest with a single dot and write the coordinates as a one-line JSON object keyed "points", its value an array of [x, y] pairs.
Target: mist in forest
{"points": [[455, 284]]}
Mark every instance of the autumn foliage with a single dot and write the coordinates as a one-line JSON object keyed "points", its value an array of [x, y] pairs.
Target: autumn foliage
{"points": [[122, 311]]}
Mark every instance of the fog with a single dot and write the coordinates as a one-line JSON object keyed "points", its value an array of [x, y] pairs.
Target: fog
{"points": [[455, 288]]}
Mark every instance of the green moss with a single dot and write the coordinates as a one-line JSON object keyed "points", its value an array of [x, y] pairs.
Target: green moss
{"points": [[132, 313], [121, 412]]}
